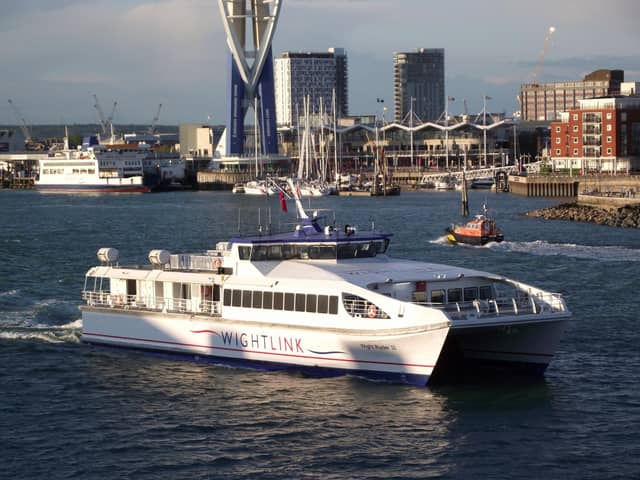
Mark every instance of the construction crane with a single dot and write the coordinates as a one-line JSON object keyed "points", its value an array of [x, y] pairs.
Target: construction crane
{"points": [[547, 41], [24, 127], [154, 122]]}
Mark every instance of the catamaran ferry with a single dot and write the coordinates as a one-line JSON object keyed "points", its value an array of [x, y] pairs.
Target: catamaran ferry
{"points": [[323, 300]]}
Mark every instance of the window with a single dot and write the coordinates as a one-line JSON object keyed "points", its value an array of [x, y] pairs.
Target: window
{"points": [[267, 300], [558, 140], [558, 151], [609, 128], [278, 300], [608, 115], [486, 292], [454, 295], [575, 139], [244, 253], [575, 116], [300, 303], [470, 294], [609, 151], [558, 129], [608, 139], [289, 299], [257, 299], [236, 299], [575, 128], [333, 304], [311, 303], [227, 298], [246, 298], [323, 303], [575, 151], [437, 296]]}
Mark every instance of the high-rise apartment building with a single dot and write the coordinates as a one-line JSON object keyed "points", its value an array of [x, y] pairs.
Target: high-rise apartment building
{"points": [[313, 75], [418, 79], [545, 101]]}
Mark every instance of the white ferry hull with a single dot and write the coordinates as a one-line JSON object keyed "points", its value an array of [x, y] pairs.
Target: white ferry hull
{"points": [[93, 188], [399, 355]]}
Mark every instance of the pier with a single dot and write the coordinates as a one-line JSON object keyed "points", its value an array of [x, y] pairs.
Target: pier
{"points": [[544, 186]]}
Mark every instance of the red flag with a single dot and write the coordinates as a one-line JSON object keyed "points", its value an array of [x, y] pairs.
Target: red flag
{"points": [[283, 202]]}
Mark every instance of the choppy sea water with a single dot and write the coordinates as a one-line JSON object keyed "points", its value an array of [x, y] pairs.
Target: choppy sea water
{"points": [[68, 410]]}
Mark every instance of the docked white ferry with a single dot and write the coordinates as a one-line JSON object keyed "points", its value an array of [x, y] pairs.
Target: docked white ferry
{"points": [[322, 300], [90, 170]]}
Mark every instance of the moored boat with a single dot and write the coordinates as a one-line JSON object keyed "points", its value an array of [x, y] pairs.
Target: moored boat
{"points": [[84, 171]]}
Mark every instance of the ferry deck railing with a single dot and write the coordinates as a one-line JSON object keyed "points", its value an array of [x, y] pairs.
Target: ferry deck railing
{"points": [[538, 304], [152, 303]]}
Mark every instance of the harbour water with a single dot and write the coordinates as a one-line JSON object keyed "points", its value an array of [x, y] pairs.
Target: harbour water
{"points": [[68, 410]]}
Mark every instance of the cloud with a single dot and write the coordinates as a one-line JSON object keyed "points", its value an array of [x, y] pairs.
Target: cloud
{"points": [[144, 52]]}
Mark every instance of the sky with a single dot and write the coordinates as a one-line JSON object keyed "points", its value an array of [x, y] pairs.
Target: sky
{"points": [[141, 53]]}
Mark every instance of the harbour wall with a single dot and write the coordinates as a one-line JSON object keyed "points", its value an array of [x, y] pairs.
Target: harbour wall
{"points": [[623, 186]]}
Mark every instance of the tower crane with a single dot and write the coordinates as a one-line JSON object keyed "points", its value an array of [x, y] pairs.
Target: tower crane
{"points": [[547, 41], [154, 122], [24, 127]]}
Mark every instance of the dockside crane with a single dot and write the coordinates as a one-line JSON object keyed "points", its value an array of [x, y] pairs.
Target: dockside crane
{"points": [[23, 123], [154, 122], [103, 122]]}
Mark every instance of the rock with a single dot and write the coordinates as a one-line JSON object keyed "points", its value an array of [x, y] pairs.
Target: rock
{"points": [[626, 217]]}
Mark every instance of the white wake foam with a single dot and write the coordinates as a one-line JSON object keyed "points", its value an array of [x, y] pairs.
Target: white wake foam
{"points": [[610, 253]]}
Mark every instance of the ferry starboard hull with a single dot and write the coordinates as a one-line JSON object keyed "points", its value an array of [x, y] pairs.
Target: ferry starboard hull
{"points": [[396, 355]]}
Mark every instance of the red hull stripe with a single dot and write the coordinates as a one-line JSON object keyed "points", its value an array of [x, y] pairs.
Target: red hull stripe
{"points": [[229, 349]]}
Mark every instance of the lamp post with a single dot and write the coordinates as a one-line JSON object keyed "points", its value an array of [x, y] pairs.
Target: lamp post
{"points": [[446, 130], [413, 99], [484, 124]]}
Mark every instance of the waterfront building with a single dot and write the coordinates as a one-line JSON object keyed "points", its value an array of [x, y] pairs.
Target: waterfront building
{"points": [[315, 76], [196, 140], [418, 79], [545, 101], [602, 135]]}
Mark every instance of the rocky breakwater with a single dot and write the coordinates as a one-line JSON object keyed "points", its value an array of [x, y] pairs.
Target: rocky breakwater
{"points": [[627, 216]]}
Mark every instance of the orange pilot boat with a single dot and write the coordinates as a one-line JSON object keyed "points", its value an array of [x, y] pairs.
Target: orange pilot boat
{"points": [[480, 230]]}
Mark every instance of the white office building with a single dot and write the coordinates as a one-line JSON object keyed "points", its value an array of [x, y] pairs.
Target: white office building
{"points": [[312, 75]]}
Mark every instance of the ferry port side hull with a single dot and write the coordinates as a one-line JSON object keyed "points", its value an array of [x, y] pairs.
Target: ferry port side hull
{"points": [[523, 349], [399, 356]]}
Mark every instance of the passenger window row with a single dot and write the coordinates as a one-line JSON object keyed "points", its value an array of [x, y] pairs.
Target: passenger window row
{"points": [[457, 295], [292, 302]]}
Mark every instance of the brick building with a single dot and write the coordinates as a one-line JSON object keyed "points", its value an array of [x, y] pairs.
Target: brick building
{"points": [[602, 135]]}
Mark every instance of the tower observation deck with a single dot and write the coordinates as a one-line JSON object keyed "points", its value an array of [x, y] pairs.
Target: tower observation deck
{"points": [[249, 26]]}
